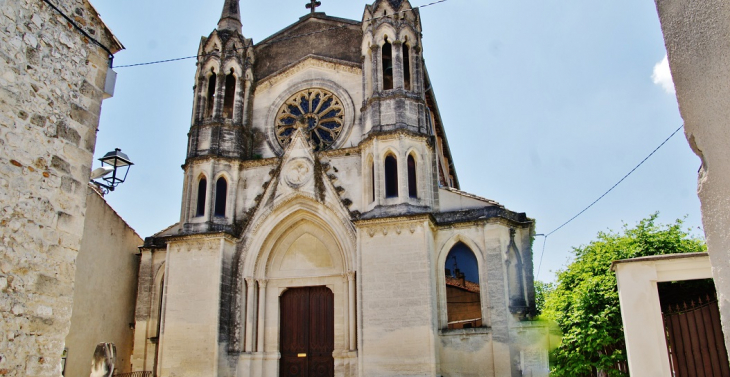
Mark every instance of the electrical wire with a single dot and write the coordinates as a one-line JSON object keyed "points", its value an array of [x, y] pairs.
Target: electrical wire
{"points": [[80, 29], [602, 196], [283, 39]]}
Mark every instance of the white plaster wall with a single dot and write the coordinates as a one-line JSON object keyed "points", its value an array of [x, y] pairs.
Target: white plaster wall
{"points": [[106, 287], [189, 336], [697, 41], [396, 298]]}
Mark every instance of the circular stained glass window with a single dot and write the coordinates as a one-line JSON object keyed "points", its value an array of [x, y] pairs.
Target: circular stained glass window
{"points": [[317, 112]]}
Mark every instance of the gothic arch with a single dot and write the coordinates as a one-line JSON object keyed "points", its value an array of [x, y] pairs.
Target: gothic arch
{"points": [[232, 64], [212, 66], [253, 264], [407, 36], [441, 276], [383, 31], [213, 43], [156, 301], [516, 281]]}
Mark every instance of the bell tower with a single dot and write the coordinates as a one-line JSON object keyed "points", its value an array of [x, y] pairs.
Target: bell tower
{"points": [[220, 132], [398, 144]]}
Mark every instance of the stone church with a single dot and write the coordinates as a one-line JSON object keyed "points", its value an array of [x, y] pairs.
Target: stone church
{"points": [[322, 229]]}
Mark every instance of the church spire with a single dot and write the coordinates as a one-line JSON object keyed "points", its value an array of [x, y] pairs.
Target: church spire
{"points": [[231, 16]]}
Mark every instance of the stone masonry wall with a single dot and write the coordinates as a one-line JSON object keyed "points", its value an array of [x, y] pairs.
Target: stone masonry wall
{"points": [[51, 81]]}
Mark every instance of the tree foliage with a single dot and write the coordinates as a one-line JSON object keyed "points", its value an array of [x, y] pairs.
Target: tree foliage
{"points": [[585, 300], [542, 291]]}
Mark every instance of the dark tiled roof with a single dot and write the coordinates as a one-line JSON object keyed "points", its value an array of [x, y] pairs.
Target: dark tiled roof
{"points": [[463, 284]]}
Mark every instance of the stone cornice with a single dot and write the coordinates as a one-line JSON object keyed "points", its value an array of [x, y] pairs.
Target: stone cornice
{"points": [[200, 237], [396, 134], [243, 163]]}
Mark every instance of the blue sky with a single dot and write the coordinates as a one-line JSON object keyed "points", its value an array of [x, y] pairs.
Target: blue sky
{"points": [[546, 105]]}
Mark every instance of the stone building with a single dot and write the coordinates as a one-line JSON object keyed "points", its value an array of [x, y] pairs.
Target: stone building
{"points": [[320, 205], [52, 82]]}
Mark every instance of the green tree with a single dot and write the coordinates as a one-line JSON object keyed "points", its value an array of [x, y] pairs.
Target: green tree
{"points": [[585, 300], [542, 291]]}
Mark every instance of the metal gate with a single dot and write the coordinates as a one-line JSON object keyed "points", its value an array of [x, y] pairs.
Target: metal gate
{"points": [[694, 339]]}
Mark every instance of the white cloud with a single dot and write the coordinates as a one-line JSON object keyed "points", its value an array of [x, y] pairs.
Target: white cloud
{"points": [[663, 76]]}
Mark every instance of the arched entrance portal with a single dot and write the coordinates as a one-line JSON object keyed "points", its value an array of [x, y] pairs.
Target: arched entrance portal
{"points": [[298, 288], [307, 337]]}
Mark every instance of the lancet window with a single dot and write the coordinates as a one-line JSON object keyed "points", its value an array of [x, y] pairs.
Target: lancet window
{"points": [[202, 187], [210, 98], [406, 66], [230, 95], [387, 57], [221, 193], [412, 187], [391, 176], [463, 294], [372, 181]]}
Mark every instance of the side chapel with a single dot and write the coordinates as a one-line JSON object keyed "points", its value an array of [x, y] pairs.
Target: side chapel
{"points": [[322, 229]]}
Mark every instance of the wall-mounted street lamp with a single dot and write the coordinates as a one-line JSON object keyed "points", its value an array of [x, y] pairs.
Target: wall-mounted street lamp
{"points": [[115, 163]]}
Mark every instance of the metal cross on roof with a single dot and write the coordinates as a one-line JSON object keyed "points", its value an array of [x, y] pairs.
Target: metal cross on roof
{"points": [[313, 4]]}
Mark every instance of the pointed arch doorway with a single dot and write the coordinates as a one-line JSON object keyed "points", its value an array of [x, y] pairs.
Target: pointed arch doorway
{"points": [[307, 333]]}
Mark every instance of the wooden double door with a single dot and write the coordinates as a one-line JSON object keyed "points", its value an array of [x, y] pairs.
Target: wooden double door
{"points": [[307, 331]]}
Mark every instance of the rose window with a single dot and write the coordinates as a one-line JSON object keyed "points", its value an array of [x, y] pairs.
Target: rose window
{"points": [[317, 112]]}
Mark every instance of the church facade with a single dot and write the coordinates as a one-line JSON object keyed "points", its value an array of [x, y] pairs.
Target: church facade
{"points": [[322, 229]]}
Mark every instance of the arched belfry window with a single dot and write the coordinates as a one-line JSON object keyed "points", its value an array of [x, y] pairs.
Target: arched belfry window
{"points": [[221, 193], [202, 187], [211, 94], [412, 187], [230, 95], [387, 65], [463, 294], [391, 176], [406, 66]]}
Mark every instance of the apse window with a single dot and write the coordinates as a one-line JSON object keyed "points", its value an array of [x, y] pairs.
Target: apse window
{"points": [[463, 295]]}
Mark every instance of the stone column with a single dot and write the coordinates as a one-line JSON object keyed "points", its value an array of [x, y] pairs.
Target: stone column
{"points": [[199, 100], [377, 80], [346, 315], [417, 71], [351, 310], [397, 64], [262, 315], [220, 90], [249, 315]]}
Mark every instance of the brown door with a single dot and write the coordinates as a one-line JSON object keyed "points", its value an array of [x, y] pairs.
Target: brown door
{"points": [[307, 332]]}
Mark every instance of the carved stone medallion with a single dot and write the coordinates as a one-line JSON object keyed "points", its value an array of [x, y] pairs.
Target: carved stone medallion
{"points": [[297, 172]]}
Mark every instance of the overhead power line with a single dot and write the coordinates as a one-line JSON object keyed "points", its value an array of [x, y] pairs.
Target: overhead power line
{"points": [[296, 36], [600, 197], [82, 31]]}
